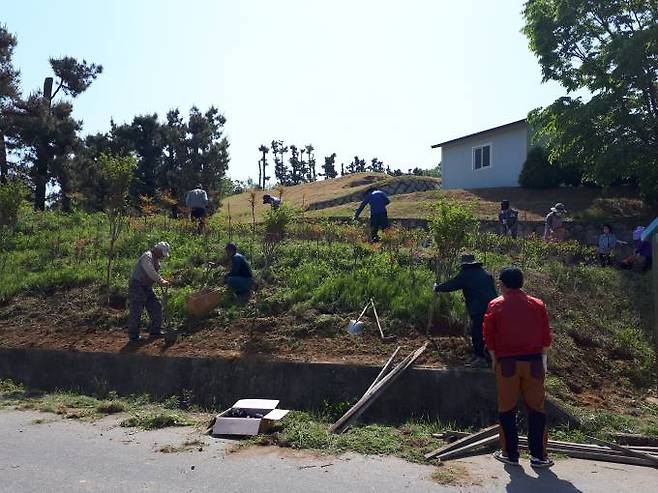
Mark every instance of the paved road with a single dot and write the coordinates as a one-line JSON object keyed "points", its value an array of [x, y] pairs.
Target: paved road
{"points": [[44, 453]]}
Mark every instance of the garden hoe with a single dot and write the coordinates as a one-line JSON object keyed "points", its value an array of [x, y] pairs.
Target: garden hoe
{"points": [[355, 327], [379, 325]]}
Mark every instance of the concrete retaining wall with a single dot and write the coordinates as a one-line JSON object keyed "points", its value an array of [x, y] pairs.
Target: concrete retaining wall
{"points": [[464, 396]]}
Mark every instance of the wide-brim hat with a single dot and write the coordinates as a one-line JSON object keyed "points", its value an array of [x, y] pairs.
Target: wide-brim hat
{"points": [[559, 207], [469, 259]]}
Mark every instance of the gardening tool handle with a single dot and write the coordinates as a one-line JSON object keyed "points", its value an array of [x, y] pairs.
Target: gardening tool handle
{"points": [[374, 310], [364, 310]]}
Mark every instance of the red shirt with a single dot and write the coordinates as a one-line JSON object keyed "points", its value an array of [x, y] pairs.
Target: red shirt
{"points": [[516, 324]]}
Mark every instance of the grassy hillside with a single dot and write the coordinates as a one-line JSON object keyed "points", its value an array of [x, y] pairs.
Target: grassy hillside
{"points": [[584, 204], [52, 267], [587, 204]]}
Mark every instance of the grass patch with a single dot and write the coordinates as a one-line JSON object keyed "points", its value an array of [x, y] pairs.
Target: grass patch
{"points": [[151, 420], [301, 430]]}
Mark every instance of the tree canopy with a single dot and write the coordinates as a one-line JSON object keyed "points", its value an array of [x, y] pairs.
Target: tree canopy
{"points": [[608, 49]]}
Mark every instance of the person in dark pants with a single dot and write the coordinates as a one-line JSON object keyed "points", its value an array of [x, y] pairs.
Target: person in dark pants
{"points": [[518, 335], [508, 219], [274, 202], [240, 278], [140, 291], [377, 200], [197, 201], [479, 289]]}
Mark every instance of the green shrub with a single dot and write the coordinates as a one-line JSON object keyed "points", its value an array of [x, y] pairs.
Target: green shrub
{"points": [[538, 172], [12, 194]]}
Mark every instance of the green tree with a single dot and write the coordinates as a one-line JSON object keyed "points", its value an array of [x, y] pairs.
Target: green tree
{"points": [[262, 167], [329, 166], [311, 174], [47, 132], [610, 49], [118, 172], [9, 92], [537, 170]]}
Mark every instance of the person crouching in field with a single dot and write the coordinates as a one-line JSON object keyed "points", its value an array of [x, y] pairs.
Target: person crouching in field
{"points": [[240, 278], [140, 291], [517, 335], [274, 202], [197, 201]]}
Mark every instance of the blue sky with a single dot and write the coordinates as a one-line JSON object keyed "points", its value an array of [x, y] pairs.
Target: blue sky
{"points": [[373, 78]]}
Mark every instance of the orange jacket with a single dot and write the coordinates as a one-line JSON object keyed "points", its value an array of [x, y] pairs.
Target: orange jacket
{"points": [[516, 324]]}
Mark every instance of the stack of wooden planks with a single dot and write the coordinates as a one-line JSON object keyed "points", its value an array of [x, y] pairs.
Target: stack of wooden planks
{"points": [[600, 450]]}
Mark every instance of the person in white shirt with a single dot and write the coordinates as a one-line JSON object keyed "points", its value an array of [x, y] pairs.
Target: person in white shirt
{"points": [[140, 290], [197, 201]]}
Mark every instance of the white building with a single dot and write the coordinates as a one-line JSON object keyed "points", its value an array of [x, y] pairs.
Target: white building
{"points": [[487, 159]]}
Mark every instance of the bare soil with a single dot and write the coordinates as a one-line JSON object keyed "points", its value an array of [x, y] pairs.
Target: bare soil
{"points": [[74, 320]]}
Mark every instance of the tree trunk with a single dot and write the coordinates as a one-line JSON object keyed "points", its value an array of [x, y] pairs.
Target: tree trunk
{"points": [[4, 168], [40, 182]]}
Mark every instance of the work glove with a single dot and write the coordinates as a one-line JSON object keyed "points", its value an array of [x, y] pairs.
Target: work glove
{"points": [[436, 287]]}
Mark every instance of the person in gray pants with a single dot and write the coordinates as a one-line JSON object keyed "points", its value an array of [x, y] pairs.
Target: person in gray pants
{"points": [[140, 291]]}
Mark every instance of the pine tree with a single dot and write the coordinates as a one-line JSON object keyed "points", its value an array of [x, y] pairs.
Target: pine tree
{"points": [[329, 166]]}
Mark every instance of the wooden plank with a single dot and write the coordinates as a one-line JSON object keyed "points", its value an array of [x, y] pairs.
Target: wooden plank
{"points": [[626, 451], [470, 439], [370, 396], [385, 369], [618, 459], [633, 439], [471, 447]]}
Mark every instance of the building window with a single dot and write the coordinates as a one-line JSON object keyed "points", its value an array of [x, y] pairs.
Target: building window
{"points": [[482, 156]]}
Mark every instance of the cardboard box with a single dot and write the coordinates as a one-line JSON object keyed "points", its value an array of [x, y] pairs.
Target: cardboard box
{"points": [[248, 417]]}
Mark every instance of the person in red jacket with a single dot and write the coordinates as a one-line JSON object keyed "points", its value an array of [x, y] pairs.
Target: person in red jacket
{"points": [[517, 335]]}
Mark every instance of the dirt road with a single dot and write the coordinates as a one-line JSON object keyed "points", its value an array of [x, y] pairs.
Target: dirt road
{"points": [[43, 452]]}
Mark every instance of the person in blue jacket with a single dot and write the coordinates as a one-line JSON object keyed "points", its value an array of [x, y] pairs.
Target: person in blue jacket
{"points": [[240, 278], [377, 200]]}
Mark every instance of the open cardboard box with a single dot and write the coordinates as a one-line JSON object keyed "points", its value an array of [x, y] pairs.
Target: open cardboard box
{"points": [[225, 424]]}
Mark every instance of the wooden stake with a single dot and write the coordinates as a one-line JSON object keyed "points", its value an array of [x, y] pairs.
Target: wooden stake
{"points": [[384, 370]]}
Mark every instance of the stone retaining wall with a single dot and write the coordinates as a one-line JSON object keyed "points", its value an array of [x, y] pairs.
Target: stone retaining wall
{"points": [[583, 232], [395, 187]]}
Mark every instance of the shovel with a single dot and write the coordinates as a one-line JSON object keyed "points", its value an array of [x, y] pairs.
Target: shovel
{"points": [[355, 327], [169, 335], [379, 325]]}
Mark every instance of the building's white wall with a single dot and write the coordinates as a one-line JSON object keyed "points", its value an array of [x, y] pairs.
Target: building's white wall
{"points": [[509, 149]]}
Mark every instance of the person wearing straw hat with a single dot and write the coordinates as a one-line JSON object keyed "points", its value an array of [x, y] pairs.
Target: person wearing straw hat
{"points": [[140, 290], [554, 223], [479, 289]]}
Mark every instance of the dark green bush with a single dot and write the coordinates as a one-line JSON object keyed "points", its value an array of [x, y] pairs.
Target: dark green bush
{"points": [[538, 172]]}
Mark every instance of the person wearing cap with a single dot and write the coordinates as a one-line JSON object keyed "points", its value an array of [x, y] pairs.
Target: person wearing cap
{"points": [[140, 290], [240, 277], [377, 200], [197, 201], [273, 201], [508, 219], [554, 223], [479, 289], [517, 335]]}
